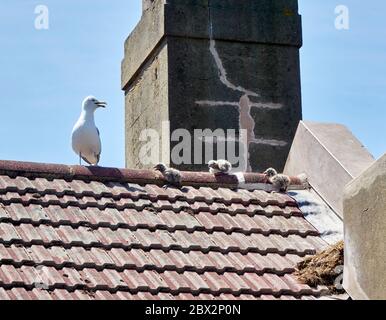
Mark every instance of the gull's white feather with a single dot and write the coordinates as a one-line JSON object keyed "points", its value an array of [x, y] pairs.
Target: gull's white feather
{"points": [[86, 141]]}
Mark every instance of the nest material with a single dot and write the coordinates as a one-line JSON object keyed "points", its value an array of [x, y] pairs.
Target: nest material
{"points": [[321, 269]]}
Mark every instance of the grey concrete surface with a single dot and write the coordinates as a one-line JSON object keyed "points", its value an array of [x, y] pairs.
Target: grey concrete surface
{"points": [[331, 156], [146, 4], [365, 234], [319, 215], [225, 65]]}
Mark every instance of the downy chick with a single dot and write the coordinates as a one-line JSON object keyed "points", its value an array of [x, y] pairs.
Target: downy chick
{"points": [[271, 172], [280, 182], [172, 176], [220, 166]]}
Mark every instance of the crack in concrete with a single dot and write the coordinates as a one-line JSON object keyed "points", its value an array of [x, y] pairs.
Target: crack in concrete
{"points": [[210, 103], [260, 105], [246, 122], [223, 73]]}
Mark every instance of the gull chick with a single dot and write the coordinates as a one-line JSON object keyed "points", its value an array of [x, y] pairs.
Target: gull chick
{"points": [[86, 141], [271, 172], [172, 176], [220, 166], [279, 181]]}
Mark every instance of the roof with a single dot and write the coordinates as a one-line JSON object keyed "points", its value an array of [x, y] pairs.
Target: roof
{"points": [[71, 232]]}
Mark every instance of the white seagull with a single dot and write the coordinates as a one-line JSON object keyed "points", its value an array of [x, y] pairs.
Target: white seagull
{"points": [[86, 141]]}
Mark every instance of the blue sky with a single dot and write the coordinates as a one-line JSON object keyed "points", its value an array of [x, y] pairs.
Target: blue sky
{"points": [[45, 74]]}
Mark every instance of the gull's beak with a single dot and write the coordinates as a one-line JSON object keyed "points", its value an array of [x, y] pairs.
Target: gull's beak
{"points": [[101, 104]]}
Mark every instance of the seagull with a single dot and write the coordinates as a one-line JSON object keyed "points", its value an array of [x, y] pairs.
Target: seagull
{"points": [[279, 181], [86, 140], [172, 176], [220, 166], [271, 172]]}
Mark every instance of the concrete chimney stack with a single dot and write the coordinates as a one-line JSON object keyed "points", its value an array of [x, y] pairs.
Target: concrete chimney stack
{"points": [[227, 66], [146, 4]]}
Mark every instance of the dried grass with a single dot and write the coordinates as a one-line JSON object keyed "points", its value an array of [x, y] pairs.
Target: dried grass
{"points": [[321, 268]]}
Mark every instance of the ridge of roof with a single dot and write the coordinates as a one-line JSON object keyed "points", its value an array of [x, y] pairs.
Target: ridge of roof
{"points": [[244, 180]]}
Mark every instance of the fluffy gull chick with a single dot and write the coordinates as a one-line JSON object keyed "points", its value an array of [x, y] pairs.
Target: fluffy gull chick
{"points": [[172, 176], [220, 166]]}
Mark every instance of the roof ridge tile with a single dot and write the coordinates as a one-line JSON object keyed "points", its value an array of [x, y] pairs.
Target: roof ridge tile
{"points": [[69, 173]]}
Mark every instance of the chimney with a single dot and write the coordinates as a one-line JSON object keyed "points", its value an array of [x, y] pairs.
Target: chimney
{"points": [[211, 79], [146, 4]]}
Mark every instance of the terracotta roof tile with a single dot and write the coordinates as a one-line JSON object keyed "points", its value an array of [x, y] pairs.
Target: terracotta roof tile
{"points": [[70, 232]]}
